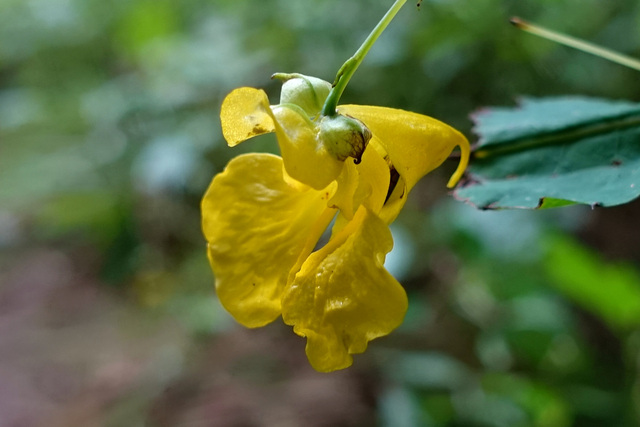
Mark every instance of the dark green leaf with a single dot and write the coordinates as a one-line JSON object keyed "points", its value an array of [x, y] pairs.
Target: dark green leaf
{"points": [[554, 152]]}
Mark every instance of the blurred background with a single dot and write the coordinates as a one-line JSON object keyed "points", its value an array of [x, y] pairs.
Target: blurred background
{"points": [[109, 136]]}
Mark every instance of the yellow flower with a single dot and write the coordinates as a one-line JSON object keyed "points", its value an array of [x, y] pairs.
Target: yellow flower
{"points": [[264, 215]]}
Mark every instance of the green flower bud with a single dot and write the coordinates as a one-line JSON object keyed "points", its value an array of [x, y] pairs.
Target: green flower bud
{"points": [[344, 136], [309, 93]]}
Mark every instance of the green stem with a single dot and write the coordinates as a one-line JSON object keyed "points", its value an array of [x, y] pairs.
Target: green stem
{"points": [[351, 65], [577, 44]]}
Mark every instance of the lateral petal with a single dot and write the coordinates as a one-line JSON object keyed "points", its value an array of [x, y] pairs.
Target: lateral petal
{"points": [[374, 178], [257, 226], [343, 297], [370, 188]]}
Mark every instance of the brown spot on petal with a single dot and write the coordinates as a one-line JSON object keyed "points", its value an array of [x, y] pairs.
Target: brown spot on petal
{"points": [[259, 129]]}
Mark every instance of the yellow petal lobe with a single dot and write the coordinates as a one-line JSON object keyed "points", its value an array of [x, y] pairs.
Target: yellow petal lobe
{"points": [[347, 184], [245, 113], [257, 226], [342, 297], [370, 189], [374, 180], [305, 157]]}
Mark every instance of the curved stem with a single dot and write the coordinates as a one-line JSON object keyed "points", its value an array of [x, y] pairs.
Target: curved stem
{"points": [[575, 43], [351, 65]]}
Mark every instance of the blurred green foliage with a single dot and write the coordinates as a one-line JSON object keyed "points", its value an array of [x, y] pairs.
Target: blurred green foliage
{"points": [[109, 136], [580, 275]]}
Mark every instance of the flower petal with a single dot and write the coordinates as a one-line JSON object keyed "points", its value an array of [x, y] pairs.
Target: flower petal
{"points": [[343, 297], [347, 184], [416, 144], [367, 184], [257, 226], [305, 157], [374, 179], [245, 113]]}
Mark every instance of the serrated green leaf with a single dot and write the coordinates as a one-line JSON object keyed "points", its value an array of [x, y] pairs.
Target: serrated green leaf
{"points": [[555, 152]]}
